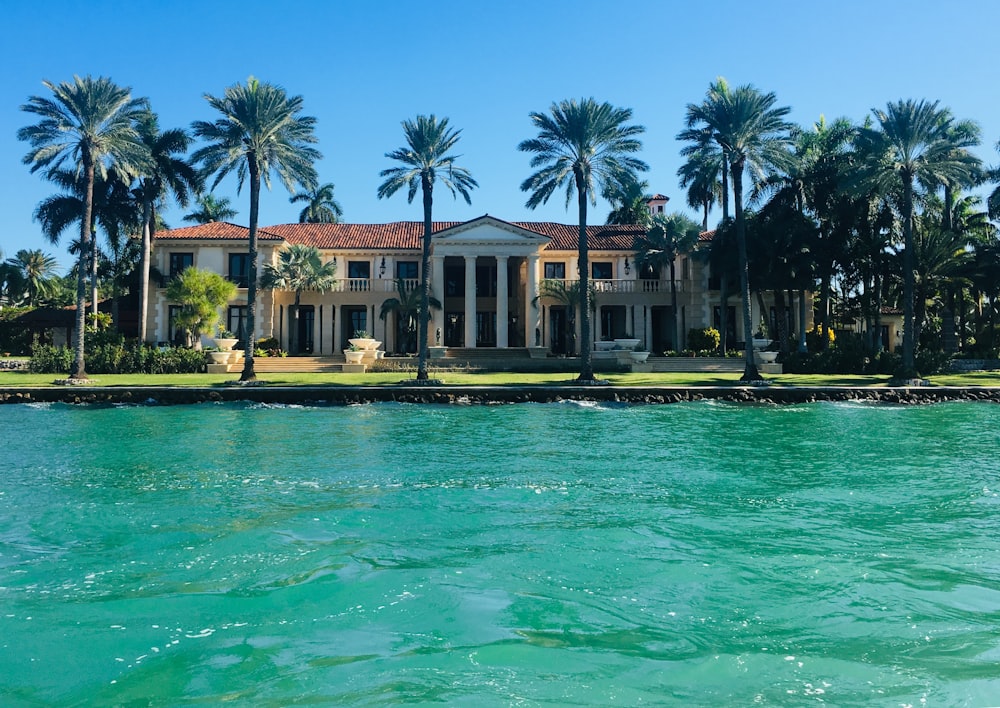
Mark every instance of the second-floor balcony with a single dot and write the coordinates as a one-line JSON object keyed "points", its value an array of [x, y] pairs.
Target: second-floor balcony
{"points": [[627, 285], [364, 285]]}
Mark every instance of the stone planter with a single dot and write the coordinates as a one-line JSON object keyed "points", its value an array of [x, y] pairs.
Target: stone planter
{"points": [[366, 344], [626, 343], [225, 345], [436, 352], [639, 356], [218, 357], [767, 357], [761, 343], [538, 352], [235, 356], [353, 357], [604, 346]]}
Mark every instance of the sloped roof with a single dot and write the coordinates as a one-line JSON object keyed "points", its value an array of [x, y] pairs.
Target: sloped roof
{"points": [[216, 231], [403, 235]]}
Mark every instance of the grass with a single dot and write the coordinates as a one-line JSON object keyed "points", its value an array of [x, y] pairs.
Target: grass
{"points": [[688, 380]]}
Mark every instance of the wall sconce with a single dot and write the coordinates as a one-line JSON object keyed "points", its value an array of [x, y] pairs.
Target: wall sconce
{"points": [[453, 319], [381, 268], [335, 261], [628, 268]]}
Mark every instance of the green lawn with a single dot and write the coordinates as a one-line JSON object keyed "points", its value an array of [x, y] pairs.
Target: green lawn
{"points": [[15, 378]]}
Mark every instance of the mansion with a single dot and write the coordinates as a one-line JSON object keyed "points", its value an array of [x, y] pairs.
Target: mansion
{"points": [[487, 273]]}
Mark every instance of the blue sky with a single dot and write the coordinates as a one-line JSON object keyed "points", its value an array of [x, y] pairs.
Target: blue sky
{"points": [[364, 66]]}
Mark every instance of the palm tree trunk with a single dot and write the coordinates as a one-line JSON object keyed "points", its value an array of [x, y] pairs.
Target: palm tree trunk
{"points": [[586, 361], [93, 270], [908, 370], [673, 308], [802, 322], [750, 372], [781, 320], [79, 366], [724, 313], [427, 188], [824, 310], [725, 186], [248, 372], [704, 217], [147, 238]]}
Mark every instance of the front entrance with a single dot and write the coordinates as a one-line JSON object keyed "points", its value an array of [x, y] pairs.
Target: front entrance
{"points": [[307, 321], [354, 319], [454, 329], [557, 330], [486, 329]]}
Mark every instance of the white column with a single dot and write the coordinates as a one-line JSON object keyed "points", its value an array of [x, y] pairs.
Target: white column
{"points": [[437, 287], [532, 308], [470, 301], [648, 328], [502, 314]]}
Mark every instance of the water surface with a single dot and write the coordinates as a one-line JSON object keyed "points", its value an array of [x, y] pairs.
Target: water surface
{"points": [[563, 554]]}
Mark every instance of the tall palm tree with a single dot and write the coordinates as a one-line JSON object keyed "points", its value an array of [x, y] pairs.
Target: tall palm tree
{"points": [[35, 270], [583, 146], [299, 268], [668, 237], [630, 200], [754, 135], [166, 173], [425, 160], [260, 132], [89, 124], [406, 307], [211, 209], [701, 176], [918, 147], [993, 201], [321, 207]]}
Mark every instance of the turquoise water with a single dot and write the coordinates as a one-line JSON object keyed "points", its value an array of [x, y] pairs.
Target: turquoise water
{"points": [[564, 554]]}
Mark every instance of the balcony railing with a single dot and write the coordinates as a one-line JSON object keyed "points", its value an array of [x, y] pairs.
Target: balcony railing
{"points": [[625, 285]]}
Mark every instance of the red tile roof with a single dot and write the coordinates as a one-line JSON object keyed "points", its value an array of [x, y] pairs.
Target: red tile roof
{"points": [[402, 235], [216, 231], [659, 197]]}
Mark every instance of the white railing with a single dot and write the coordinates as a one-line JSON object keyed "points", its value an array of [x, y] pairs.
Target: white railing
{"points": [[408, 285], [626, 285]]}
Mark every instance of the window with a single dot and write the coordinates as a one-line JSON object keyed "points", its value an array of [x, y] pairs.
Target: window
{"points": [[685, 269], [407, 270], [601, 271], [358, 273], [555, 271], [659, 208], [454, 281], [236, 321], [174, 333], [180, 261], [486, 281], [239, 270]]}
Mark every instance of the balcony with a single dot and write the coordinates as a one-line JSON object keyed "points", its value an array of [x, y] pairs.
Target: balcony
{"points": [[617, 286]]}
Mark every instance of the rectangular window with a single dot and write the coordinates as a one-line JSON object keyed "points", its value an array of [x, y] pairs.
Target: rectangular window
{"points": [[236, 321], [555, 271], [180, 261], [358, 274], [601, 271], [454, 281], [486, 281], [174, 333], [239, 269], [407, 270]]}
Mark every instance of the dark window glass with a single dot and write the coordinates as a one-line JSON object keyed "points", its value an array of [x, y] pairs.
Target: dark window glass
{"points": [[359, 269], [174, 333], [239, 269], [555, 271], [180, 261], [454, 281], [407, 270], [236, 321], [486, 281], [600, 271]]}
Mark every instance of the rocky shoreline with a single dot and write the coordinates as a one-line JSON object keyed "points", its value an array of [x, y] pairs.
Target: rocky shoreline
{"points": [[489, 395]]}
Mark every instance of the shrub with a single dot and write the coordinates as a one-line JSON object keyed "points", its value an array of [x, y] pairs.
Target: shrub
{"points": [[46, 359], [701, 339], [814, 340], [118, 358]]}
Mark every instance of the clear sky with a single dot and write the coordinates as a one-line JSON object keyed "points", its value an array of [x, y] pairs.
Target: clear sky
{"points": [[363, 66]]}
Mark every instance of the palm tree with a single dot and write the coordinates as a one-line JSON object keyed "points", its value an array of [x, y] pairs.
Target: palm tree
{"points": [[299, 268], [211, 209], [567, 293], [35, 270], [918, 147], [753, 134], [630, 200], [167, 173], [260, 131], [581, 146], [669, 237], [425, 160], [321, 207], [993, 201], [406, 307], [88, 124], [701, 176]]}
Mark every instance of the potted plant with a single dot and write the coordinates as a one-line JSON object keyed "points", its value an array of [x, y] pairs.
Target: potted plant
{"points": [[354, 354], [638, 354], [760, 337], [217, 357], [224, 339], [363, 341]]}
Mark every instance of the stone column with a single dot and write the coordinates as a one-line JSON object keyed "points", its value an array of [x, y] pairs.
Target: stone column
{"points": [[502, 304], [647, 327], [437, 287], [532, 308], [337, 329], [470, 301]]}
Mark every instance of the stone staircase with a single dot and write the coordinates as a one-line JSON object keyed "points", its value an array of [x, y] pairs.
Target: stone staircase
{"points": [[299, 364], [681, 364]]}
